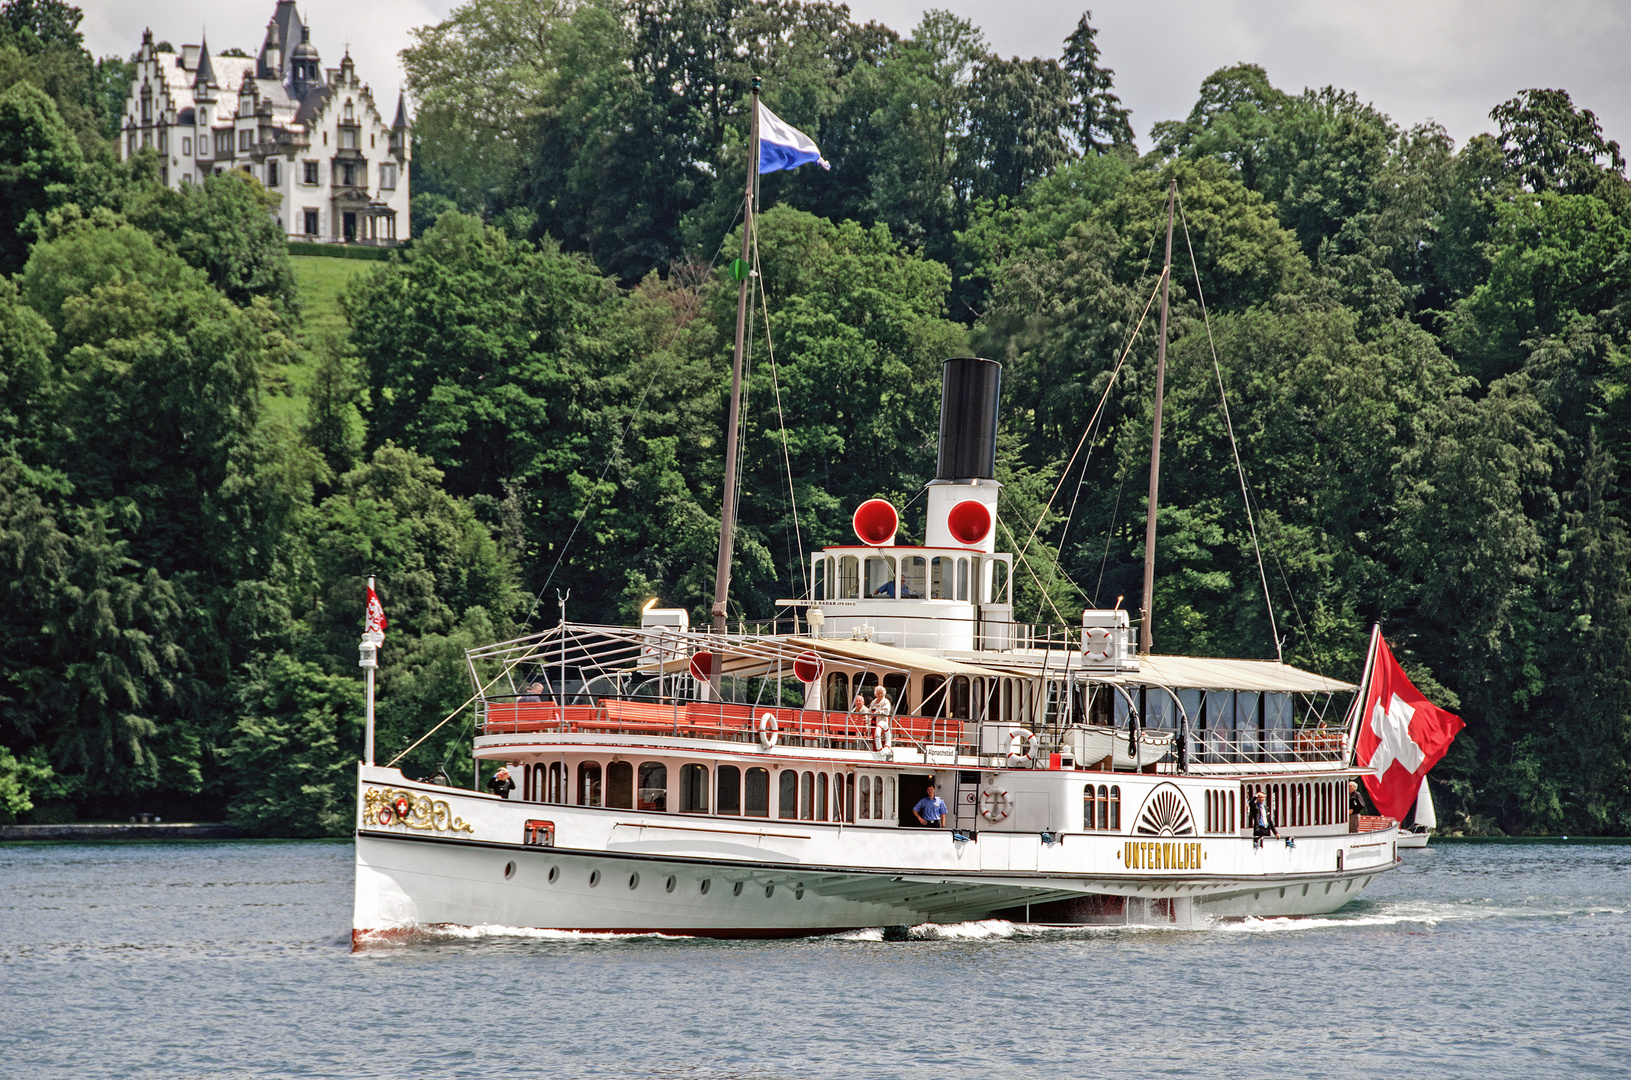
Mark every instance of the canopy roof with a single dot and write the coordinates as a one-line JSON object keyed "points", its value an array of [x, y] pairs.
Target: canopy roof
{"points": [[1269, 676]]}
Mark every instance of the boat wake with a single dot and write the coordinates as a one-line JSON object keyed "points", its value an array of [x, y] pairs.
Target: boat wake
{"points": [[414, 935]]}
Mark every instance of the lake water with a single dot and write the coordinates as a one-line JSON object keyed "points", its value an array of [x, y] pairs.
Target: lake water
{"points": [[217, 960]]}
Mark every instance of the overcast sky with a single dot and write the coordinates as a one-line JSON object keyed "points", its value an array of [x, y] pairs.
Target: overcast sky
{"points": [[1444, 60]]}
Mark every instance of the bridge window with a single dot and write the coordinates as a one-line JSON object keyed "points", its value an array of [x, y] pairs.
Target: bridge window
{"points": [[693, 789], [818, 586], [653, 787], [589, 784], [729, 799], [888, 796], [756, 793], [787, 795], [999, 583], [880, 575], [934, 695], [942, 577], [895, 686], [866, 798], [912, 570], [960, 697], [849, 577], [962, 579], [821, 797]]}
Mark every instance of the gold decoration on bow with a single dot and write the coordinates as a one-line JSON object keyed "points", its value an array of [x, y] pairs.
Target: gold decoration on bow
{"points": [[423, 812]]}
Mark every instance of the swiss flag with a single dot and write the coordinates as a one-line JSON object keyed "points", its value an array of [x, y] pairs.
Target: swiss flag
{"points": [[376, 613], [1401, 735]]}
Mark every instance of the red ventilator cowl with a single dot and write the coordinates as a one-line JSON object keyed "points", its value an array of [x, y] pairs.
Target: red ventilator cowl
{"points": [[875, 522], [969, 522]]}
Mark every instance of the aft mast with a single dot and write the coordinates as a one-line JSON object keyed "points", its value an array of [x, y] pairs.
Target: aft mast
{"points": [[1147, 612], [727, 515]]}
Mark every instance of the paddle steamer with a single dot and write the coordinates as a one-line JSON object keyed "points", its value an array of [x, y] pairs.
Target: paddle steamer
{"points": [[694, 780]]}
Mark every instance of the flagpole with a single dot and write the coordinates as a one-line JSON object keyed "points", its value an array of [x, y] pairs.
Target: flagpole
{"points": [[727, 516], [1357, 716], [371, 641]]}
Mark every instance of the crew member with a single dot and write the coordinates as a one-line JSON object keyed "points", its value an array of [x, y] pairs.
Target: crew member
{"points": [[930, 809], [501, 784]]}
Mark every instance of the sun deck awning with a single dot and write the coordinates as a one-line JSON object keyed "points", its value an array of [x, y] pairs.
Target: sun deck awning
{"points": [[887, 657], [1206, 673]]}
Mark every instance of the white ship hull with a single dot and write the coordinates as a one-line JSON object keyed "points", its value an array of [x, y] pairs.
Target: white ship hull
{"points": [[624, 871]]}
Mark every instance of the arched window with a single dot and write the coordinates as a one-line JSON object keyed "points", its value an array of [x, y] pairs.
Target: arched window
{"points": [[837, 691], [934, 695], [756, 793], [912, 584], [821, 797], [589, 783], [849, 577], [1104, 807], [1090, 813], [818, 587], [942, 577], [620, 785], [729, 799], [653, 792], [962, 579], [888, 796], [787, 794], [960, 697], [693, 789], [1115, 809], [866, 798], [807, 797]]}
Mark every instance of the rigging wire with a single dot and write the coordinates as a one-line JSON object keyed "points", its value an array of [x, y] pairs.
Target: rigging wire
{"points": [[1109, 533], [1240, 470], [781, 420]]}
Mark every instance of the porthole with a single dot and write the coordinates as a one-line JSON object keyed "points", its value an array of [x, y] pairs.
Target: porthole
{"points": [[634, 881], [770, 890], [672, 881], [509, 870], [798, 893], [706, 884], [554, 874], [594, 878], [736, 890]]}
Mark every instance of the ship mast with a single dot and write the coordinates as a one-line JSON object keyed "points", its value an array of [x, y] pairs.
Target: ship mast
{"points": [[1147, 612], [727, 515]]}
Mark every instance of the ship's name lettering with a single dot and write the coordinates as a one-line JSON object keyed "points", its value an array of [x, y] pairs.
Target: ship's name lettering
{"points": [[1161, 855]]}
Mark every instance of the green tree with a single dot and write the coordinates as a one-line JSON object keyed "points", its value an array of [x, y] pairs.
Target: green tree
{"points": [[39, 163], [1102, 122]]}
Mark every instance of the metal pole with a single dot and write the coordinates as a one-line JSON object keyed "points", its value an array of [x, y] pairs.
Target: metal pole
{"points": [[727, 517], [560, 688], [1147, 614], [371, 641], [368, 738]]}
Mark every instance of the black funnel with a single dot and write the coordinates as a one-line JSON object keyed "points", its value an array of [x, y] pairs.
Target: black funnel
{"points": [[970, 389]]}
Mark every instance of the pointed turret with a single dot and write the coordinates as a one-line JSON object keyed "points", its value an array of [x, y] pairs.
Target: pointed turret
{"points": [[205, 78], [305, 67], [271, 57], [401, 121]]}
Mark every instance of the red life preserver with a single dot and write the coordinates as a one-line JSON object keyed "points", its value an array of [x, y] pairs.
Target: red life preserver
{"points": [[995, 804], [769, 730]]}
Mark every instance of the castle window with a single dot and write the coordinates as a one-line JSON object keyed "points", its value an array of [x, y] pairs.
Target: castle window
{"points": [[348, 138], [370, 142], [311, 223], [348, 175], [164, 141], [133, 142], [311, 172], [186, 147], [272, 177], [243, 140]]}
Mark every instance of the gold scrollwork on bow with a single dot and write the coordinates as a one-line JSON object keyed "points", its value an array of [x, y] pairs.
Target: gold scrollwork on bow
{"points": [[423, 812]]}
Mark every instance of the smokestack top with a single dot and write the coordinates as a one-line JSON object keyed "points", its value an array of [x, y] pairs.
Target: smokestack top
{"points": [[970, 393]]}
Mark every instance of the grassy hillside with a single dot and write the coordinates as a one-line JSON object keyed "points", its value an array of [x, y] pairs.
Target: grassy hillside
{"points": [[320, 282]]}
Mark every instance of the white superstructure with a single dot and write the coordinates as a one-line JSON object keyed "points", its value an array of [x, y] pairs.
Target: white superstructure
{"points": [[313, 136]]}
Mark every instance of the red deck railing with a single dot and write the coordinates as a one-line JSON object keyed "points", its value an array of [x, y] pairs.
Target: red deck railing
{"points": [[707, 720]]}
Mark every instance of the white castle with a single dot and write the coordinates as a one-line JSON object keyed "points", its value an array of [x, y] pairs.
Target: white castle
{"points": [[315, 138]]}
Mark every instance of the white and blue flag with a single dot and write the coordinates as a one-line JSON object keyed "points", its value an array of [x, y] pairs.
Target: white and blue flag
{"points": [[783, 146]]}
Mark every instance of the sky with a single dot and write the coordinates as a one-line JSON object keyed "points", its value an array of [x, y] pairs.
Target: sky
{"points": [[1449, 61]]}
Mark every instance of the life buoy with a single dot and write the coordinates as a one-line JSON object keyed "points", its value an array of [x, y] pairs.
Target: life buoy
{"points": [[402, 806], [995, 804], [1097, 644], [882, 736], [1022, 747], [769, 730]]}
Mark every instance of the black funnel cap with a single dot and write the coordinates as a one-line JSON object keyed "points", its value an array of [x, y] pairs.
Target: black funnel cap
{"points": [[970, 389]]}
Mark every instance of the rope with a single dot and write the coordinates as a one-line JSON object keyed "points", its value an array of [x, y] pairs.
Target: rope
{"points": [[1245, 494], [781, 420]]}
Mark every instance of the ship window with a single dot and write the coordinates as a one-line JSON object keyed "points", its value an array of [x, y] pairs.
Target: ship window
{"points": [[821, 798], [912, 569], [819, 585], [807, 797], [880, 575], [837, 691], [962, 579], [1115, 808], [999, 582], [959, 697], [693, 789], [847, 812], [620, 785], [942, 577], [895, 686], [849, 577], [729, 800], [653, 787], [888, 798], [557, 783], [866, 798], [756, 795], [1089, 807], [934, 695], [787, 794], [589, 783], [1104, 807]]}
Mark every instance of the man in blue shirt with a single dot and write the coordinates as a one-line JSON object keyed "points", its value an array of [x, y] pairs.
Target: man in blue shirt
{"points": [[929, 809]]}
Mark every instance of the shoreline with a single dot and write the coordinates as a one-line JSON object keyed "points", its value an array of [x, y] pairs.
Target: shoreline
{"points": [[165, 830]]}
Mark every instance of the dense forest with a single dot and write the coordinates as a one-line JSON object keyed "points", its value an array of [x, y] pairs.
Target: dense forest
{"points": [[1424, 349]]}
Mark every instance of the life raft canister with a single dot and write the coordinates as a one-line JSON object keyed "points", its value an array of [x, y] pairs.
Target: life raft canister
{"points": [[883, 737], [769, 730], [995, 804]]}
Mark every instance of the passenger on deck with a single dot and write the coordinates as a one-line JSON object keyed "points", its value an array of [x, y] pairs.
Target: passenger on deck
{"points": [[1262, 824], [534, 693], [881, 708], [501, 784], [930, 809], [886, 589], [858, 706]]}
